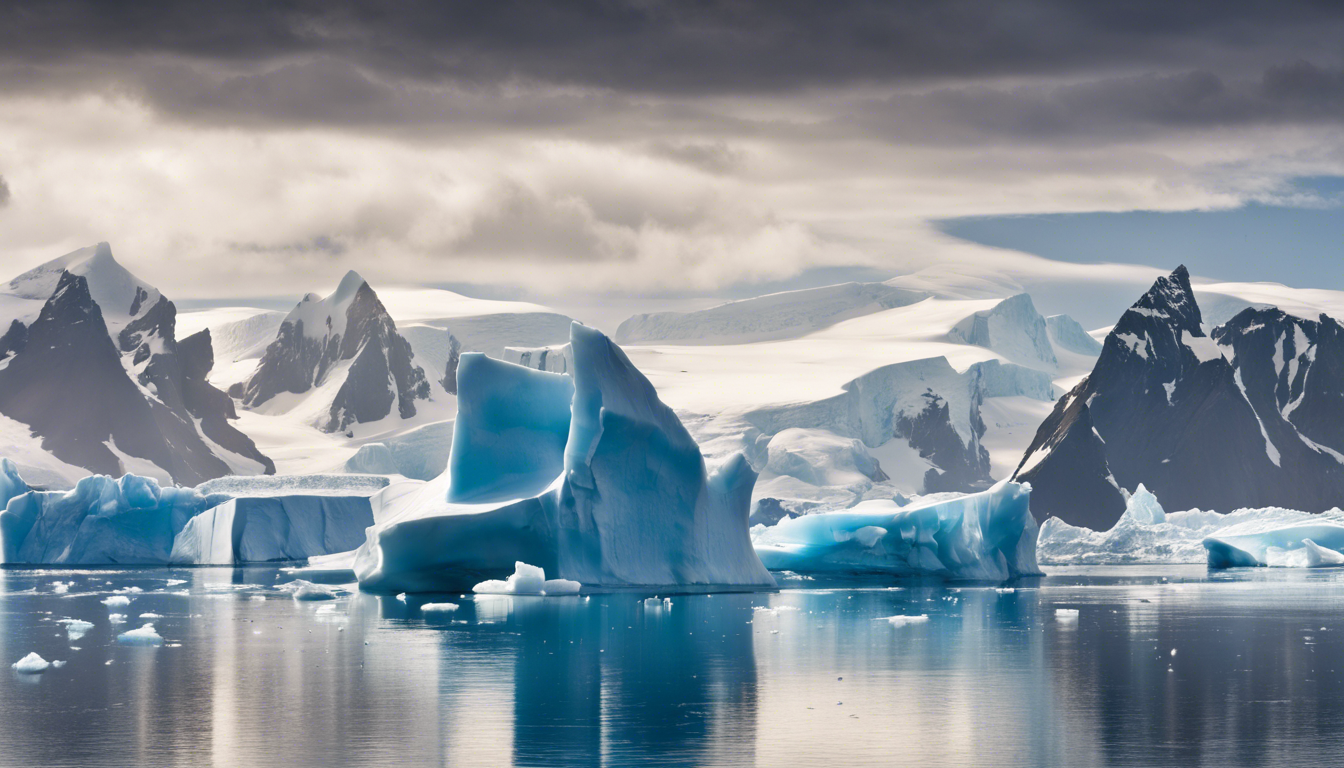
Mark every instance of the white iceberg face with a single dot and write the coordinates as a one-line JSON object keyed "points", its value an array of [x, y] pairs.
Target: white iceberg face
{"points": [[31, 664], [1311, 543], [527, 580], [145, 635], [1145, 533], [590, 477], [988, 536]]}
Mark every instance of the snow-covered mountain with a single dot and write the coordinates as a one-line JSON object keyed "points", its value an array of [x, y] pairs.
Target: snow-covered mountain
{"points": [[834, 404], [347, 346], [763, 318], [1247, 415], [87, 389]]}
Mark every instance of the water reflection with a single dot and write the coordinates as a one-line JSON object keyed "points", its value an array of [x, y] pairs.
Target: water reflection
{"points": [[809, 676]]}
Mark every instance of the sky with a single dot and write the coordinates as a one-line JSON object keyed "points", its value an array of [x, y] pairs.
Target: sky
{"points": [[636, 153]]}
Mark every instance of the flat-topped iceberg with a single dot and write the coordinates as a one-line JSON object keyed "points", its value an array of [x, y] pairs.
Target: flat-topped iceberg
{"points": [[1312, 543], [131, 520], [989, 535], [587, 475], [267, 529]]}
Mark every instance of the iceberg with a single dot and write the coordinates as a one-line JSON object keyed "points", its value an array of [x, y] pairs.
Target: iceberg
{"points": [[103, 520], [527, 580], [988, 536], [31, 664], [145, 635], [268, 529], [1145, 533], [131, 520], [587, 475], [1310, 543], [439, 607]]}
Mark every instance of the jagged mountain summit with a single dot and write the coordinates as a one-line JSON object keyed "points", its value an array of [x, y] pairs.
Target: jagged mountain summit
{"points": [[1245, 416], [346, 343], [111, 395]]}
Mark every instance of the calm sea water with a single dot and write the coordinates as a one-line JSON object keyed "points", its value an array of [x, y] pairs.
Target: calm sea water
{"points": [[809, 675]]}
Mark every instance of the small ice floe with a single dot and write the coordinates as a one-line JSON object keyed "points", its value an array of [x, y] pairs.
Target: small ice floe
{"points": [[527, 580], [75, 628], [127, 591], [31, 664], [258, 598], [60, 587], [1066, 614], [145, 635], [58, 664], [150, 616], [1005, 590], [439, 607], [402, 597], [656, 603], [326, 609], [117, 618], [1173, 651], [905, 620], [306, 590], [116, 601], [175, 582]]}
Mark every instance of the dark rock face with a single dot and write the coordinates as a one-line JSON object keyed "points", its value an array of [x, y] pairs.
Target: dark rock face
{"points": [[450, 370], [1248, 416], [963, 467], [14, 339], [211, 406], [382, 371], [69, 386]]}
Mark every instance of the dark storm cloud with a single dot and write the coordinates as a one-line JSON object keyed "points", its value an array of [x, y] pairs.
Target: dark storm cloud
{"points": [[4, 192], [1130, 107], [685, 47], [540, 64]]}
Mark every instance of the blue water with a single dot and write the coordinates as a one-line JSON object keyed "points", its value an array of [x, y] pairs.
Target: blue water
{"points": [[992, 678]]}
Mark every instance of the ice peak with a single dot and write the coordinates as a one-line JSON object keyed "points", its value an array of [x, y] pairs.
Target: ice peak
{"points": [[350, 285]]}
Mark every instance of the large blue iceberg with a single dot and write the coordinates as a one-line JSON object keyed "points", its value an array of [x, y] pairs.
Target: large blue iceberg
{"points": [[590, 477], [988, 536]]}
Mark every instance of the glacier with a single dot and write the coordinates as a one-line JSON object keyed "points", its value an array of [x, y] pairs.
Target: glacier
{"points": [[988, 536], [588, 476]]}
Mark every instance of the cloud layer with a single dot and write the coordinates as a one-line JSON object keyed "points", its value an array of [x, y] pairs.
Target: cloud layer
{"points": [[641, 147]]}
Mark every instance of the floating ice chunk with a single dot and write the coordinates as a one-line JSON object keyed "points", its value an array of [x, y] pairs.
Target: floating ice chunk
{"points": [[60, 587], [58, 664], [31, 664], [439, 607], [561, 587], [75, 628], [307, 590], [150, 616], [1320, 557], [402, 597], [145, 635], [528, 580], [989, 535], [117, 618], [901, 621], [1066, 614], [117, 601]]}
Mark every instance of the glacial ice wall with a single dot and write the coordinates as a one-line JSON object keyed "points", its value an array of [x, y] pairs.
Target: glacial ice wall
{"points": [[628, 501], [989, 535], [131, 520]]}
